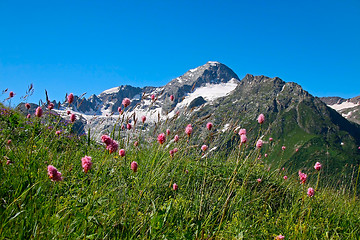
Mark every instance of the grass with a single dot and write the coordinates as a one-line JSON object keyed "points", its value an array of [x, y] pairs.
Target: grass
{"points": [[218, 195]]}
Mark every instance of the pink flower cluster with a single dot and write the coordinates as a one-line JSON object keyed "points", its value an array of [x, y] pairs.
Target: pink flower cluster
{"points": [[311, 192], [209, 126], [126, 102], [188, 130], [204, 148], [161, 138], [70, 98], [302, 177], [111, 144], [259, 143], [54, 174], [134, 166], [122, 152], [86, 163], [317, 166], [38, 112], [261, 118], [242, 133]]}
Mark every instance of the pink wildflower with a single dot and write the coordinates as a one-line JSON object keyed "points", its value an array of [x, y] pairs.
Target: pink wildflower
{"points": [[122, 152], [68, 112], [11, 94], [317, 166], [134, 166], [280, 237], [242, 131], [175, 187], [167, 131], [50, 106], [27, 105], [171, 152], [285, 177], [70, 98], [243, 138], [204, 147], [271, 139], [72, 117], [28, 116], [86, 163], [259, 143], [8, 162], [261, 118], [136, 143], [266, 155], [143, 119], [176, 138], [302, 177], [128, 126], [153, 97], [106, 139], [54, 174], [296, 150], [126, 102], [9, 142], [176, 150], [209, 126], [188, 130], [119, 110], [57, 132], [113, 146], [311, 192], [161, 138], [258, 180], [38, 112], [172, 97], [283, 148]]}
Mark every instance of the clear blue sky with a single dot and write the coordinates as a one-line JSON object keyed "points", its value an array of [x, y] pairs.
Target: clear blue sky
{"points": [[89, 46]]}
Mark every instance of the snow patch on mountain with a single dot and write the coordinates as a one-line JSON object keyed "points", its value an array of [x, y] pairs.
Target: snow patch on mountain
{"points": [[110, 91], [343, 105]]}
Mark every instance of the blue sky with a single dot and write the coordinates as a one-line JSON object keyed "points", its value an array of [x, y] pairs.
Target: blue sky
{"points": [[89, 46]]}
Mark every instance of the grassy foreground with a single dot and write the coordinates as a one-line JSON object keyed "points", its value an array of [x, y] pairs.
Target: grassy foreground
{"points": [[236, 196]]}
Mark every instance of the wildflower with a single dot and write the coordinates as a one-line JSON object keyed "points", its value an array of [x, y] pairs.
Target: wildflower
{"points": [[302, 177], [28, 116], [54, 174], [8, 162], [258, 180], [243, 138], [136, 143], [271, 139], [119, 110], [280, 237], [311, 192], [112, 147], [259, 144], [261, 118], [176, 138], [70, 98], [128, 126], [126, 102], [283, 148], [317, 166], [266, 155], [172, 97], [122, 152], [153, 97], [176, 150], [171, 152], [86, 163], [161, 138], [27, 105], [9, 142], [242, 131], [186, 171], [72, 117], [106, 139], [175, 187], [143, 119], [38, 112], [285, 177], [68, 112], [134, 166], [204, 147], [11, 94], [50, 106], [296, 150], [57, 132], [188, 130], [209, 126]]}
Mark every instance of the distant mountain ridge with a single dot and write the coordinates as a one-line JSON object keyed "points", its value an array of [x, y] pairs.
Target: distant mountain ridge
{"points": [[348, 108]]}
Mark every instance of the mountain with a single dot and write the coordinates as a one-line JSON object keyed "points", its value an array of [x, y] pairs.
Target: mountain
{"points": [[348, 108], [309, 129]]}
